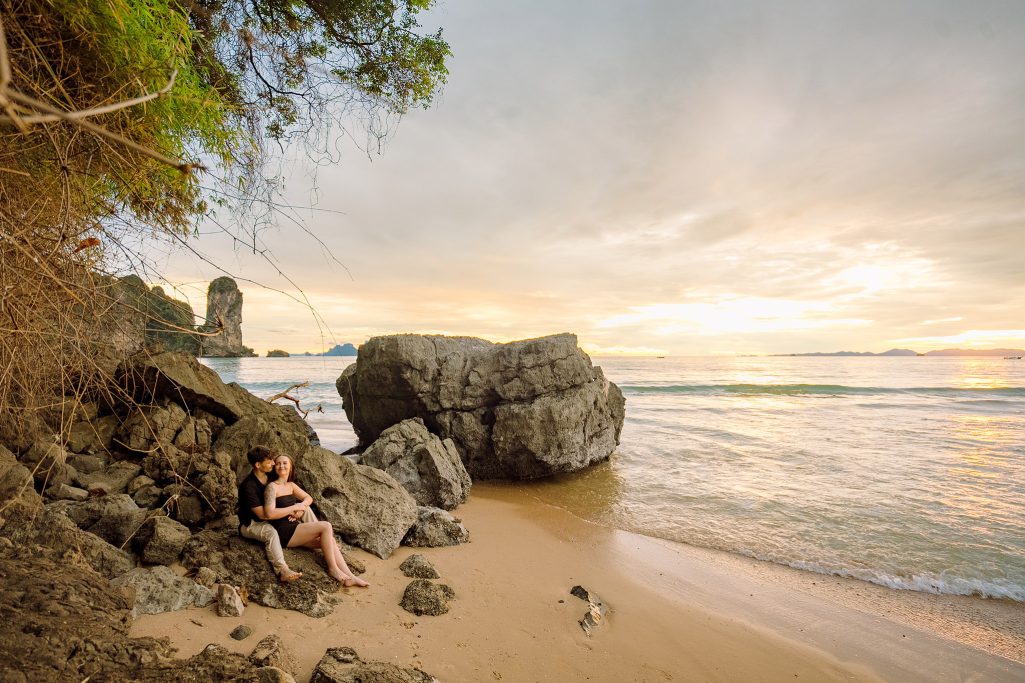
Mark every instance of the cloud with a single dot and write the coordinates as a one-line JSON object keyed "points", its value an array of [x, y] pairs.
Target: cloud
{"points": [[746, 176]]}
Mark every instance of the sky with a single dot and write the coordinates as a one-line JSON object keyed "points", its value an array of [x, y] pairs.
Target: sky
{"points": [[672, 178]]}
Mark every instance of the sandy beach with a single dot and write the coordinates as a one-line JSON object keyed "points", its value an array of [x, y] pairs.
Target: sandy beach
{"points": [[677, 614]]}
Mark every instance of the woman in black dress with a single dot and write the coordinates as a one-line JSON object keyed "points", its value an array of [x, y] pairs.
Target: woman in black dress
{"points": [[284, 505]]}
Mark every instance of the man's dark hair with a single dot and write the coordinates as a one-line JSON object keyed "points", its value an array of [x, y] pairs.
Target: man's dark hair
{"points": [[259, 454]]}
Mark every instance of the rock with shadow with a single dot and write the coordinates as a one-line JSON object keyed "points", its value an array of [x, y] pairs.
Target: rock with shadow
{"points": [[343, 665], [520, 410]]}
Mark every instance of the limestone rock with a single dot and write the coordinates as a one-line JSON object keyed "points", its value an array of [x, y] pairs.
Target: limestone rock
{"points": [[343, 665], [435, 527], [150, 425], [272, 652], [21, 502], [234, 560], [113, 479], [229, 602], [223, 315], [160, 540], [365, 505], [48, 462], [87, 463], [520, 410], [54, 529], [159, 590], [423, 597], [148, 496], [416, 566], [65, 492], [114, 518], [149, 377], [426, 466], [93, 436]]}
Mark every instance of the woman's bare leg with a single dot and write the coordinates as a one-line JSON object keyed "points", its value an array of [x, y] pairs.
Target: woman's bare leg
{"points": [[320, 535]]}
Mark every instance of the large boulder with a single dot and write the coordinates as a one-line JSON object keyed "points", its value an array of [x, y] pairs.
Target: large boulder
{"points": [[365, 505], [426, 466], [146, 377], [520, 410]]}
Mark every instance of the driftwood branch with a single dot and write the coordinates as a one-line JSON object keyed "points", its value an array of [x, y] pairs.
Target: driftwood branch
{"points": [[285, 395]]}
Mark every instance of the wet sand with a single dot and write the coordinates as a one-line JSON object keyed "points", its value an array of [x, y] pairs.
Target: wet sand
{"points": [[678, 613]]}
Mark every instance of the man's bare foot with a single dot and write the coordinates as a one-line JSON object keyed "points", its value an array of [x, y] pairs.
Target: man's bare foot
{"points": [[289, 576]]}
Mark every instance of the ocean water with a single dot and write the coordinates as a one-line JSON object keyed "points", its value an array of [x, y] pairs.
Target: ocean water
{"points": [[907, 472]]}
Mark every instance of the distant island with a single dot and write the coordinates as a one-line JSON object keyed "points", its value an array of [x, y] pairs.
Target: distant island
{"points": [[1002, 353], [338, 350]]}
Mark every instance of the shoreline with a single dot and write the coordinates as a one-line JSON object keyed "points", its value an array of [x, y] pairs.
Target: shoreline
{"points": [[677, 613]]}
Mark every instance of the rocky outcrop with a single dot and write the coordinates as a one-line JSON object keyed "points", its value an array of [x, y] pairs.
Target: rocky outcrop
{"points": [[366, 506], [434, 528], [426, 466], [343, 665], [520, 410], [239, 562], [224, 317], [147, 378]]}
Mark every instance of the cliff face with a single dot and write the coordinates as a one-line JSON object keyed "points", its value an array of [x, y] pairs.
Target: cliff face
{"points": [[149, 317], [224, 312]]}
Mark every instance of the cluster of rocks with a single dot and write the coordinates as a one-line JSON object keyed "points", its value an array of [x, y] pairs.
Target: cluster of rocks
{"points": [[421, 596], [510, 411], [146, 478]]}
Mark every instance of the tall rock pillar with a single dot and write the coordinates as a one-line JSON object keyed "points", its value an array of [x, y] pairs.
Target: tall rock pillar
{"points": [[224, 312]]}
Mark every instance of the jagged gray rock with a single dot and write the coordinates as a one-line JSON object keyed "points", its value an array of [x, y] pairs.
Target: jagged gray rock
{"points": [[159, 590], [343, 665], [365, 505], [160, 540], [416, 566], [434, 528], [520, 410], [426, 466], [92, 436], [113, 479], [148, 377], [422, 597]]}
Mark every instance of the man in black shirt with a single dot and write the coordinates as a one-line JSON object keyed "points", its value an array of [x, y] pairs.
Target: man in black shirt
{"points": [[251, 517]]}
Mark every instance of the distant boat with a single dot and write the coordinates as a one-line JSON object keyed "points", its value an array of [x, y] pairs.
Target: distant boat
{"points": [[660, 356], [1012, 357]]}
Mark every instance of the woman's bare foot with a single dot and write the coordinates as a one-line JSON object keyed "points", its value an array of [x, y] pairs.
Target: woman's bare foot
{"points": [[289, 576], [355, 581]]}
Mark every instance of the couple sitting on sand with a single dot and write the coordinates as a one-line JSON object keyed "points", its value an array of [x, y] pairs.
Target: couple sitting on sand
{"points": [[273, 509]]}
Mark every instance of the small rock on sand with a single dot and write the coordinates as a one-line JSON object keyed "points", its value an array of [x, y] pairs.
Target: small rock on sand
{"points": [[416, 566], [423, 597]]}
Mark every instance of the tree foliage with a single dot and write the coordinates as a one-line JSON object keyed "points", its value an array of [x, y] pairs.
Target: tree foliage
{"points": [[84, 179]]}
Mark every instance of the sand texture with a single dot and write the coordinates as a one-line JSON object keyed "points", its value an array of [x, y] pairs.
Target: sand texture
{"points": [[675, 613]]}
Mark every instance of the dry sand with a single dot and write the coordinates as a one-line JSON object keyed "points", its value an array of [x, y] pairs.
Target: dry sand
{"points": [[677, 614]]}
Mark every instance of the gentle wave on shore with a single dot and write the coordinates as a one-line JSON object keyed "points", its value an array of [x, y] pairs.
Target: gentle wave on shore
{"points": [[906, 472]]}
